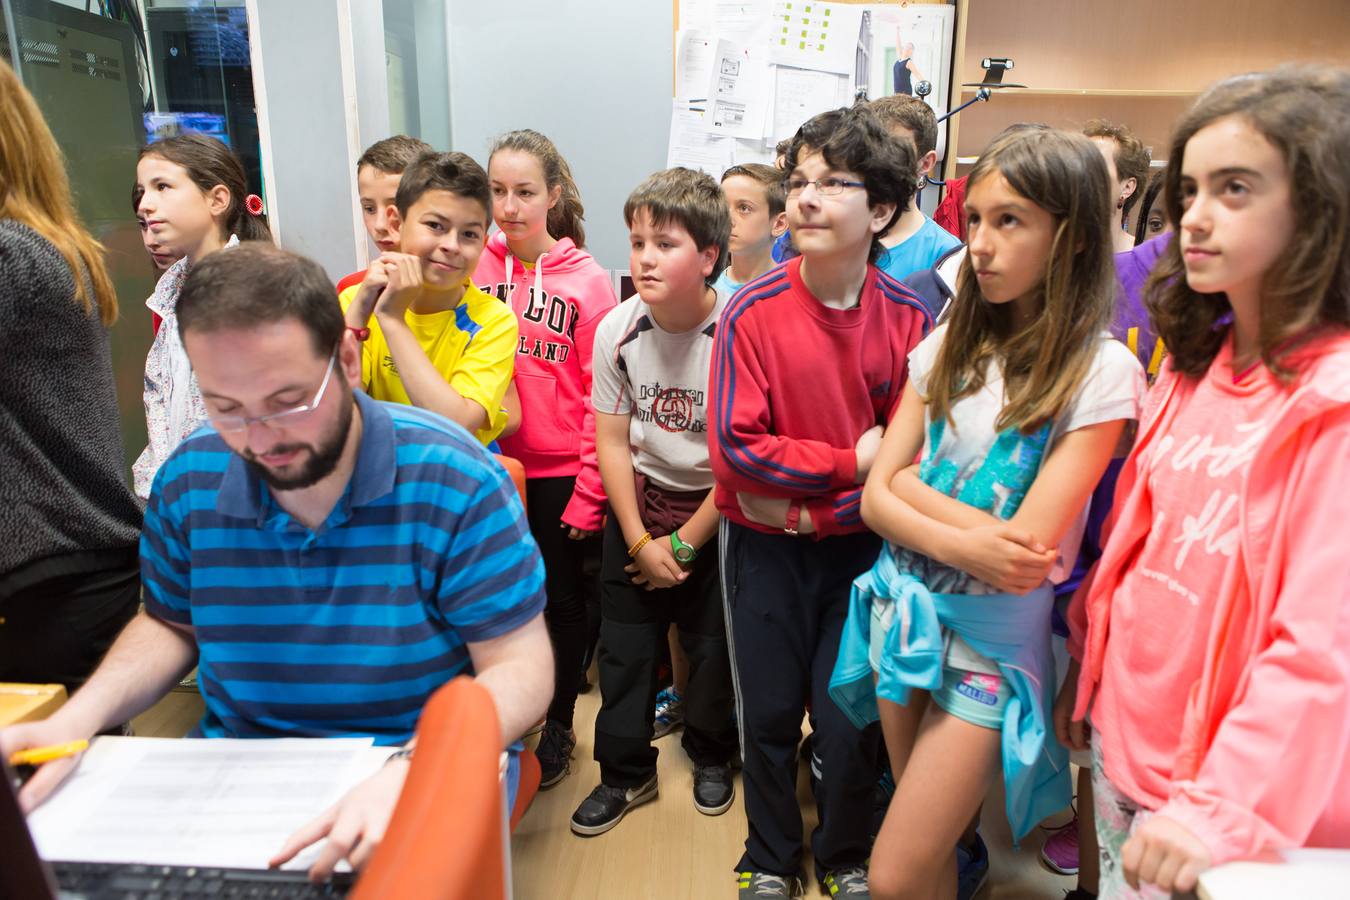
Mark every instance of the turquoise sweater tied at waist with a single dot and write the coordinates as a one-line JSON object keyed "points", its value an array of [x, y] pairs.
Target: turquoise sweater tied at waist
{"points": [[1013, 631]]}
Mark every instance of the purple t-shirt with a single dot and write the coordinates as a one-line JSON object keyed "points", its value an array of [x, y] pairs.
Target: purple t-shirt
{"points": [[1132, 325]]}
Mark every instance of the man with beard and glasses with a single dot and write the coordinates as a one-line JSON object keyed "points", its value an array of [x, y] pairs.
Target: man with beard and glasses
{"points": [[326, 561]]}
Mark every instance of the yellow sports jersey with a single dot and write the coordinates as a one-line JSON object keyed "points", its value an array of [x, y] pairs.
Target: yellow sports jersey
{"points": [[472, 345]]}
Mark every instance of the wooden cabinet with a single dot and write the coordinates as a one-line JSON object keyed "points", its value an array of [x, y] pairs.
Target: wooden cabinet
{"points": [[1136, 62]]}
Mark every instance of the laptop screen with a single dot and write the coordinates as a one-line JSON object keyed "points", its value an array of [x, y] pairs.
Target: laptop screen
{"points": [[22, 876]]}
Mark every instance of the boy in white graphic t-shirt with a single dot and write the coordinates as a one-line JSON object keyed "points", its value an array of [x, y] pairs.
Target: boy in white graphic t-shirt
{"points": [[649, 389]]}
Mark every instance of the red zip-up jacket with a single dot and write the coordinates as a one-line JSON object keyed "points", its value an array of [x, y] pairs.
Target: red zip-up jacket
{"points": [[795, 383]]}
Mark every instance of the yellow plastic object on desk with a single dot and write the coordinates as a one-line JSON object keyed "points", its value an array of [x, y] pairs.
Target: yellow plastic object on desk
{"points": [[29, 702]]}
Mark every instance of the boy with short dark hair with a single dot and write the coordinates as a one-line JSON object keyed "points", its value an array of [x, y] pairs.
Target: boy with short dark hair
{"points": [[915, 242], [810, 363], [377, 175], [660, 564], [430, 337], [758, 206]]}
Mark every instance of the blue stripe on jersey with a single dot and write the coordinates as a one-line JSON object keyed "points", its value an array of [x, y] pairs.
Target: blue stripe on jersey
{"points": [[347, 629], [466, 324], [738, 455]]}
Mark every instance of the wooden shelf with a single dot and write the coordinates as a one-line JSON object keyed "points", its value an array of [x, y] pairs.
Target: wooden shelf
{"points": [[1078, 92]]}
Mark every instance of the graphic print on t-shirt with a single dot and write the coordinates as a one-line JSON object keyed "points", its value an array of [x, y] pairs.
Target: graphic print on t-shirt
{"points": [[555, 313], [1213, 468], [672, 408], [998, 485]]}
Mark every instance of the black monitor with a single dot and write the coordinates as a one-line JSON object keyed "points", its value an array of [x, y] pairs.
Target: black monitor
{"points": [[23, 875]]}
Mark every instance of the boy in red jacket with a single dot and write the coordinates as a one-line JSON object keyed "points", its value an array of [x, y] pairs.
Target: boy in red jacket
{"points": [[809, 365]]}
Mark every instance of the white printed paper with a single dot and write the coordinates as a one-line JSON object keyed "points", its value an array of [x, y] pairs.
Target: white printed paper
{"points": [[229, 803], [742, 22], [809, 34], [800, 94], [692, 146], [693, 66], [737, 92]]}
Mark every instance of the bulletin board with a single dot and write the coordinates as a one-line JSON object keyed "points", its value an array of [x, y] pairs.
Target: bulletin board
{"points": [[747, 74]]}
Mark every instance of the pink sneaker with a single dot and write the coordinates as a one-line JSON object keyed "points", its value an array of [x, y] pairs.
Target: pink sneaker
{"points": [[1060, 851]]}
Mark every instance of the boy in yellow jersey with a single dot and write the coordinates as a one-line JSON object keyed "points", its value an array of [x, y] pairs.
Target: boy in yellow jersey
{"points": [[432, 339]]}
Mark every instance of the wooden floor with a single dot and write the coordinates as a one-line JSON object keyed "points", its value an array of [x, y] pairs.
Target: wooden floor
{"points": [[665, 849]]}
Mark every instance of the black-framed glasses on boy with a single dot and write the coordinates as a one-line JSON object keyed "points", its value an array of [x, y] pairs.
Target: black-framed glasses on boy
{"points": [[828, 186], [272, 420]]}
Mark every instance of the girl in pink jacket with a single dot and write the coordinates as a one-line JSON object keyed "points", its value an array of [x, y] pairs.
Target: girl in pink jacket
{"points": [[1214, 633], [559, 294]]}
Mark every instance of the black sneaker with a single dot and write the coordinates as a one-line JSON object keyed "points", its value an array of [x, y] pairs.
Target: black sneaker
{"points": [[713, 791], [606, 805], [555, 753]]}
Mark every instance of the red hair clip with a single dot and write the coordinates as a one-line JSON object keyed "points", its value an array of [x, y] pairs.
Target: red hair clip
{"points": [[253, 203]]}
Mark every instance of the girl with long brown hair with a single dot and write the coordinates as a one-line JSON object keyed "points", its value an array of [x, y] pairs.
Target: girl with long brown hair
{"points": [[1017, 403], [1214, 632], [69, 526], [538, 265]]}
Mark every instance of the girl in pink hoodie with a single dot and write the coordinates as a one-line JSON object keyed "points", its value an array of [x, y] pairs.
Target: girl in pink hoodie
{"points": [[1214, 632], [559, 294]]}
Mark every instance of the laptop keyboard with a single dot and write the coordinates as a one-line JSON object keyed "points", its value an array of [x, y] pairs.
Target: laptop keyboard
{"points": [[97, 881]]}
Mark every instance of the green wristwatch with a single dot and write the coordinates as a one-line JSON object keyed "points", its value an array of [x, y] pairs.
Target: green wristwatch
{"points": [[684, 554]]}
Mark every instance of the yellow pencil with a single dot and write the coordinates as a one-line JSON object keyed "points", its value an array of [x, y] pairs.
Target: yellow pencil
{"points": [[39, 755]]}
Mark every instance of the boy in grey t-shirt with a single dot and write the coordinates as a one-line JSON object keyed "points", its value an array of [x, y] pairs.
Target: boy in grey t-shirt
{"points": [[649, 389]]}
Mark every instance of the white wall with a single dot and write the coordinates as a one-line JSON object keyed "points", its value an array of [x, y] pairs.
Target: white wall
{"points": [[321, 96], [593, 75]]}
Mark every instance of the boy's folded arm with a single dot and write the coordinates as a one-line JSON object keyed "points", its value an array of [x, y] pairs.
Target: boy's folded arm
{"points": [[885, 512], [746, 456]]}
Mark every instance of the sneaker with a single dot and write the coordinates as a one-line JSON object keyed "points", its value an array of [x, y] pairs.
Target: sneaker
{"points": [[763, 884], [669, 713], [1060, 850], [972, 868], [713, 791], [850, 882], [606, 805], [1079, 894], [555, 753]]}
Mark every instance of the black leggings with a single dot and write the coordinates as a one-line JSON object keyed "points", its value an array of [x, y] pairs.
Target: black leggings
{"points": [[565, 585]]}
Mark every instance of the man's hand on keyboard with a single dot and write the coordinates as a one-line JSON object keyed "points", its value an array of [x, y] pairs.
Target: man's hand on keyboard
{"points": [[354, 825]]}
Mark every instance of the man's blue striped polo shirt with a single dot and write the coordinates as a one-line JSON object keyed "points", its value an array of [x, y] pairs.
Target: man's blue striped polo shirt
{"points": [[348, 629]]}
